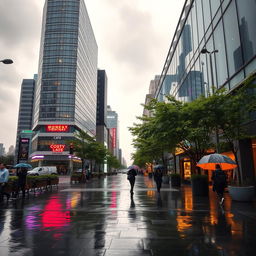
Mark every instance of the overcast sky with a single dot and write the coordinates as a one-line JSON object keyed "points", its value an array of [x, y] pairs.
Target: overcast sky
{"points": [[133, 38]]}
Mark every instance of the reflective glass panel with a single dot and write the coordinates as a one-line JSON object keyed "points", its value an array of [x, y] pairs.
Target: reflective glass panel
{"points": [[247, 22], [234, 52]]}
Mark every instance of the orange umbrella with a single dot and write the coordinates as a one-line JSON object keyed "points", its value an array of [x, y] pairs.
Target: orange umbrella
{"points": [[209, 162]]}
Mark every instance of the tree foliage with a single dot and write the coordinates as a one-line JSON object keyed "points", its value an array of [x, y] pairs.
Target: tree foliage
{"points": [[193, 126]]}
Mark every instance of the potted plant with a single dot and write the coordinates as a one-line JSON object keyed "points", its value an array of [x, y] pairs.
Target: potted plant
{"points": [[200, 186], [175, 179]]}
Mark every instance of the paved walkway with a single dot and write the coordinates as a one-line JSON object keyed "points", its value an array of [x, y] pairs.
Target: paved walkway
{"points": [[100, 218]]}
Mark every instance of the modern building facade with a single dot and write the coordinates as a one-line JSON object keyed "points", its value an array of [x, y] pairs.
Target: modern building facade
{"points": [[112, 125], [66, 90], [25, 116], [101, 121], [225, 29]]}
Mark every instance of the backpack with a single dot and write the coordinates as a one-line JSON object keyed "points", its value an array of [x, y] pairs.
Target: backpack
{"points": [[220, 178]]}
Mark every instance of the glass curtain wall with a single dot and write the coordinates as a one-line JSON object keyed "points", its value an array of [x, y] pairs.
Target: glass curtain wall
{"points": [[224, 25]]}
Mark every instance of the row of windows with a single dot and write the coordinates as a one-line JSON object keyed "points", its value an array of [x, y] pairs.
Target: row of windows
{"points": [[59, 88], [61, 35], [56, 108], [72, 53], [58, 75], [60, 47], [59, 40], [52, 20], [58, 95], [63, 115], [61, 27], [63, 9], [58, 83], [59, 61], [61, 15], [57, 101], [60, 69]]}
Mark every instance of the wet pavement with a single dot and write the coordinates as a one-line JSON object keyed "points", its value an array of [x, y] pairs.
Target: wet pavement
{"points": [[100, 218]]}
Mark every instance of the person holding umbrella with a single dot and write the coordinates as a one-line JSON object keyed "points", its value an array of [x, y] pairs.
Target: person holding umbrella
{"points": [[22, 170], [22, 179], [131, 177], [219, 179], [158, 174], [4, 177]]}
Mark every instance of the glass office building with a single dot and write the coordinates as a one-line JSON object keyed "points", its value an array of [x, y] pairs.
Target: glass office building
{"points": [[226, 28], [66, 91]]}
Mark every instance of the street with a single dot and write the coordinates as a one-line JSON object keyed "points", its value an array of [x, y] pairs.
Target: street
{"points": [[100, 218]]}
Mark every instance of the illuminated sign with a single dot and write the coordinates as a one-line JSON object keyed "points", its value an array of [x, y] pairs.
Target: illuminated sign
{"points": [[23, 149], [57, 128], [113, 135], [57, 147]]}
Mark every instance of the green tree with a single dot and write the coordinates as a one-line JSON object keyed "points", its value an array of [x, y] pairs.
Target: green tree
{"points": [[112, 161], [88, 149]]}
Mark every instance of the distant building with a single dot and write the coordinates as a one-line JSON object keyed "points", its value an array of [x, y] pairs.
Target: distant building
{"points": [[11, 150], [101, 120], [26, 106], [2, 149], [112, 125]]}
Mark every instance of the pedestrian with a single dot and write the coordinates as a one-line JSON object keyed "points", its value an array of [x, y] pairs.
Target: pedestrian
{"points": [[22, 179], [131, 177], [158, 174], [4, 177], [219, 179]]}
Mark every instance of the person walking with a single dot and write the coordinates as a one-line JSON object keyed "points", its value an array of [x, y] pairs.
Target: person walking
{"points": [[219, 179], [22, 179], [158, 174], [131, 177], [4, 177]]}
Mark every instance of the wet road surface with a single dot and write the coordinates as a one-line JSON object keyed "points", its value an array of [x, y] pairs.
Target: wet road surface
{"points": [[100, 218]]}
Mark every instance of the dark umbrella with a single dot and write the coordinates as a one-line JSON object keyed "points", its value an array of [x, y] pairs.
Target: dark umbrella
{"points": [[159, 166], [135, 167], [22, 165], [209, 162]]}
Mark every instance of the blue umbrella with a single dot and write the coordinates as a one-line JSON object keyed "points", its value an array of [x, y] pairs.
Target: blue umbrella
{"points": [[22, 165]]}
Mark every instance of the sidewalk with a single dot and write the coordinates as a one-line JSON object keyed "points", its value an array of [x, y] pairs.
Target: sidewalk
{"points": [[100, 218]]}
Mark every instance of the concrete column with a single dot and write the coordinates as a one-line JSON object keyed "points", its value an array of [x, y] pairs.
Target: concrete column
{"points": [[245, 158]]}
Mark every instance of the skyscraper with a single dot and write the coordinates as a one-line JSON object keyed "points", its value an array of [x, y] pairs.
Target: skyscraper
{"points": [[25, 109], [112, 125], [101, 134], [66, 90]]}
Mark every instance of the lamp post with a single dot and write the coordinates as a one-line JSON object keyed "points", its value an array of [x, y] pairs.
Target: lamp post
{"points": [[7, 61], [205, 51]]}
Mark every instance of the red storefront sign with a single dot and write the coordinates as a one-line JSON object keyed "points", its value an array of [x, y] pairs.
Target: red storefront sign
{"points": [[57, 147], [113, 135], [57, 128]]}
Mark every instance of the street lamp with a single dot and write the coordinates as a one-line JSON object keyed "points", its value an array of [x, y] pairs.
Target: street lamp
{"points": [[7, 61], [205, 51]]}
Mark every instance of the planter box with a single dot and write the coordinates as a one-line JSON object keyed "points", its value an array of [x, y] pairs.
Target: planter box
{"points": [[243, 194], [166, 179], [175, 181], [200, 187]]}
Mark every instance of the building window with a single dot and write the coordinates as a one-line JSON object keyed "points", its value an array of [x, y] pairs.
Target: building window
{"points": [[247, 21], [234, 51], [220, 57]]}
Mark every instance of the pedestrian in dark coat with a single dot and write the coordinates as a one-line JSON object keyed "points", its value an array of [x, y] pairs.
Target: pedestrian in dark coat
{"points": [[158, 174], [219, 179], [131, 177], [22, 178]]}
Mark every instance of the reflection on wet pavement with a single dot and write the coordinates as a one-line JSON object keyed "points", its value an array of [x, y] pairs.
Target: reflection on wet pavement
{"points": [[101, 218]]}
